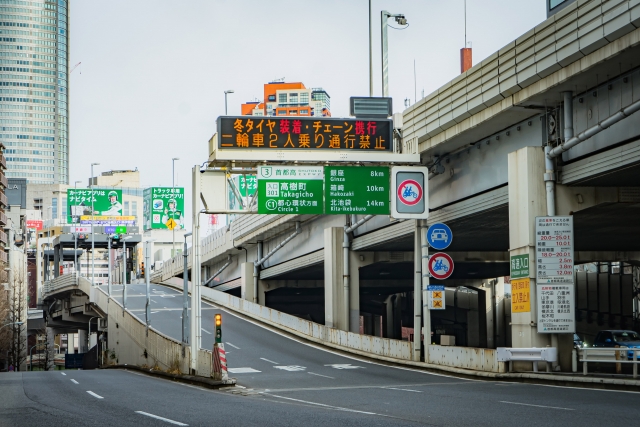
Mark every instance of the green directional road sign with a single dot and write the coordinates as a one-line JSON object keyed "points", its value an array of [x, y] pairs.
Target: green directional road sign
{"points": [[519, 266], [290, 190], [356, 190]]}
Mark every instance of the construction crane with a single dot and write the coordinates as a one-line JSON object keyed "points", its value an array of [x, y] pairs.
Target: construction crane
{"points": [[76, 66]]}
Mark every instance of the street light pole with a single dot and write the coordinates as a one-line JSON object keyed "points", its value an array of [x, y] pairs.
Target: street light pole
{"points": [[93, 245], [226, 92], [173, 186], [185, 295], [124, 272], [400, 19], [147, 311], [370, 55]]}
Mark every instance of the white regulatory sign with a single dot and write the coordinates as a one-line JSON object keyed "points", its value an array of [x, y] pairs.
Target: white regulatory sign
{"points": [[556, 313], [554, 249]]}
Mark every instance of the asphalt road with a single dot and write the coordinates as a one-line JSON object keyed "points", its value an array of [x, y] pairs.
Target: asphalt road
{"points": [[288, 382]]}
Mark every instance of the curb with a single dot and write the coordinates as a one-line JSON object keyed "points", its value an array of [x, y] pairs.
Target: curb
{"points": [[189, 379]]}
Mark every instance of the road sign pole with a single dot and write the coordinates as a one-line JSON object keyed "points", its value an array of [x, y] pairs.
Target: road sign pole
{"points": [[109, 262], [426, 313], [196, 333], [417, 293]]}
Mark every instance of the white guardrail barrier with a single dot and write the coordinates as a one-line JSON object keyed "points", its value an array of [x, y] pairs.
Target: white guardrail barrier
{"points": [[535, 355], [610, 355]]}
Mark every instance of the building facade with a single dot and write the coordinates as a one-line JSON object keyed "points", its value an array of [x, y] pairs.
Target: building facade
{"points": [[34, 112], [289, 99]]}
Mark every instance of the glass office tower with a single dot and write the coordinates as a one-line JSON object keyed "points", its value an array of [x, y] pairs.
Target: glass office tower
{"points": [[34, 113]]}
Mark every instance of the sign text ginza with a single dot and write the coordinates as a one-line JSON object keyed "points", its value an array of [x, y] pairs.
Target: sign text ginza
{"points": [[304, 133], [323, 190]]}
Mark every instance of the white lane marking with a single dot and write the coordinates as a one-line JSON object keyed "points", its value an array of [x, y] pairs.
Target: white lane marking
{"points": [[537, 406], [326, 406], [75, 382], [154, 302], [154, 312], [291, 368], [318, 375], [63, 374], [344, 366], [402, 389], [242, 370], [205, 331], [95, 395], [166, 420], [266, 360], [229, 344]]}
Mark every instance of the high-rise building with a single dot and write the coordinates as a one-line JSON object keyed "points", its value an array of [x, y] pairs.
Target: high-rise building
{"points": [[34, 112], [289, 99]]}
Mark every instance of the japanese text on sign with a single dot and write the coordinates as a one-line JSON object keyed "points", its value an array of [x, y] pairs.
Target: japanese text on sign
{"points": [[556, 312], [520, 296], [436, 297], [304, 133], [357, 190], [290, 190], [519, 266], [554, 249]]}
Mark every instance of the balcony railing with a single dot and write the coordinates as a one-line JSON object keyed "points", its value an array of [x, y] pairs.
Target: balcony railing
{"points": [[3, 256], [3, 218], [3, 161], [3, 237], [4, 180], [3, 200]]}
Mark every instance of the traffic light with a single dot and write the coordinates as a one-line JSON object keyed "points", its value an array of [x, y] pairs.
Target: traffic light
{"points": [[142, 269], [218, 319]]}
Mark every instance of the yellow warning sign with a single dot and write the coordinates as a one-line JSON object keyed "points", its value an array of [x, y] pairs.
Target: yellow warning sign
{"points": [[171, 224], [437, 295], [520, 296], [437, 303]]}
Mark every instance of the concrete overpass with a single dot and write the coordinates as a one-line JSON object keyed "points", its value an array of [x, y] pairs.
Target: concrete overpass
{"points": [[571, 86]]}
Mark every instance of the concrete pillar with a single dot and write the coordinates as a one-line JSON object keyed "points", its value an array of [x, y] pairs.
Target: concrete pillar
{"points": [[51, 349], [56, 261], [246, 277], [377, 326], [490, 313], [356, 260], [333, 279], [70, 343], [527, 200], [82, 341]]}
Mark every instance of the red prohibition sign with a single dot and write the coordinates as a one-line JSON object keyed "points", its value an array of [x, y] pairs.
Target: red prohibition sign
{"points": [[440, 266], [409, 192]]}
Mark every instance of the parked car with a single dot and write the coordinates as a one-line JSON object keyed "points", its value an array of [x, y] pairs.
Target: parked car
{"points": [[577, 342], [621, 338]]}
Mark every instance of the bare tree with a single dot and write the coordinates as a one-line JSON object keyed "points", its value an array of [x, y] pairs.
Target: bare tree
{"points": [[44, 350], [5, 333], [17, 312]]}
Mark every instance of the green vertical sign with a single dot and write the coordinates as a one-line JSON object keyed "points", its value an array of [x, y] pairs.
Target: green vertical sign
{"points": [[162, 204], [519, 266], [356, 190], [290, 190]]}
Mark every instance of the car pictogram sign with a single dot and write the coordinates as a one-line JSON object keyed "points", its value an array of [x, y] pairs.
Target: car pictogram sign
{"points": [[440, 266], [410, 192]]}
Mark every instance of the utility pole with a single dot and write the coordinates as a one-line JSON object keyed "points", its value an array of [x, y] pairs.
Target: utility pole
{"points": [[185, 295], [173, 186], [93, 247]]}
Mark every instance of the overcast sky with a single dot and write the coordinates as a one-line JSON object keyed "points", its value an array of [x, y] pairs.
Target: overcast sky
{"points": [[153, 72]]}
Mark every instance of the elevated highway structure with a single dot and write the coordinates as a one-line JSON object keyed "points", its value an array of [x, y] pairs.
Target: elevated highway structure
{"points": [[548, 125]]}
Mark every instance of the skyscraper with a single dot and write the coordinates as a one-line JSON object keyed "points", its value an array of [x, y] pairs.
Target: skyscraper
{"points": [[34, 113]]}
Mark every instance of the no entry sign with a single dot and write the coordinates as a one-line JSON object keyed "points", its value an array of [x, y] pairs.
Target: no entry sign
{"points": [[440, 266]]}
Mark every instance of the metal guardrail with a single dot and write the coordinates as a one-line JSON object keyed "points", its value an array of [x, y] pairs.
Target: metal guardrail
{"points": [[534, 354], [610, 355]]}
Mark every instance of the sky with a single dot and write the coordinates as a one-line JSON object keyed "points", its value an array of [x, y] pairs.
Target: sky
{"points": [[153, 72]]}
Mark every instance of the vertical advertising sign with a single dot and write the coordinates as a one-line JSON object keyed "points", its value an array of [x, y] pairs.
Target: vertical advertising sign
{"points": [[554, 249], [163, 207], [106, 204]]}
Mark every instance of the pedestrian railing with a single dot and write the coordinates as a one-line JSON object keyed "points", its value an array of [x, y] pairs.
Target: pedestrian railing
{"points": [[616, 355]]}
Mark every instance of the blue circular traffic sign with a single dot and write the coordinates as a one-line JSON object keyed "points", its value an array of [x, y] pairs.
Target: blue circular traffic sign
{"points": [[439, 236]]}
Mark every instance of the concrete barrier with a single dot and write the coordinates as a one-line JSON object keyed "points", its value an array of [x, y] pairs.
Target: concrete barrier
{"points": [[447, 358]]}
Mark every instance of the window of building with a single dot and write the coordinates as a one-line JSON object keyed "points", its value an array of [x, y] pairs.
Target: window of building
{"points": [[54, 208], [555, 3], [272, 98], [134, 208], [126, 208], [64, 207], [282, 98], [304, 112], [37, 204], [293, 112], [282, 112], [304, 98], [293, 98]]}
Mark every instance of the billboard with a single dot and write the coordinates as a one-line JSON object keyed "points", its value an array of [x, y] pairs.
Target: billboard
{"points": [[106, 204], [163, 205]]}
